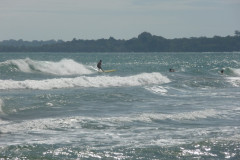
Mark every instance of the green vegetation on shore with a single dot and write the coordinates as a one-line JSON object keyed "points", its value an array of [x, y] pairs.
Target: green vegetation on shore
{"points": [[145, 42]]}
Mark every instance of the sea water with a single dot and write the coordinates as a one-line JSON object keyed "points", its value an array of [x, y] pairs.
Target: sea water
{"points": [[58, 106]]}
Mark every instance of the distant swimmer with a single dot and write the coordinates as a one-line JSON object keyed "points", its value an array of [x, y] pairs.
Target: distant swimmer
{"points": [[99, 65], [171, 70], [222, 71]]}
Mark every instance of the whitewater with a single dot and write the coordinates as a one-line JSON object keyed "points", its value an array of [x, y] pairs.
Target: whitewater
{"points": [[58, 106]]}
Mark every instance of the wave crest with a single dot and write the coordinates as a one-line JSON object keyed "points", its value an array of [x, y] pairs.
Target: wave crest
{"points": [[84, 81], [62, 67]]}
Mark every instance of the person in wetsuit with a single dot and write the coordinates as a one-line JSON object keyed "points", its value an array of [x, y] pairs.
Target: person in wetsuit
{"points": [[99, 65], [171, 70], [222, 71]]}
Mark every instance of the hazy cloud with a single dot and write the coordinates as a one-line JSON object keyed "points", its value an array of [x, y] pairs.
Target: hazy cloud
{"points": [[92, 19]]}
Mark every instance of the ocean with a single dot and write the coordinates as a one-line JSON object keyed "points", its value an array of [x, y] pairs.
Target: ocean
{"points": [[58, 106]]}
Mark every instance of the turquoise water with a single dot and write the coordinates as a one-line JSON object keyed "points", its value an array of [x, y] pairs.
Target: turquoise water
{"points": [[58, 106]]}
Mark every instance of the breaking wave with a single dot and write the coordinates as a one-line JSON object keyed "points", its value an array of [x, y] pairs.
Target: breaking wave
{"points": [[84, 81], [236, 72], [71, 122], [62, 67], [234, 78], [234, 81], [1, 104], [231, 72]]}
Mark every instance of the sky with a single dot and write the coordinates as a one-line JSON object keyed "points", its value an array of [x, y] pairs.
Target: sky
{"points": [[121, 19]]}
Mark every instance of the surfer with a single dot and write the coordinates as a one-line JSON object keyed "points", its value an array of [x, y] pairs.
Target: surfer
{"points": [[171, 70], [99, 65], [222, 71]]}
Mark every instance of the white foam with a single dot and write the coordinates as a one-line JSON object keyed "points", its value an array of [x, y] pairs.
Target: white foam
{"points": [[84, 81], [235, 81], [148, 117], [63, 67], [197, 152], [157, 90], [73, 122], [1, 104], [236, 72], [1, 112], [182, 116], [72, 127]]}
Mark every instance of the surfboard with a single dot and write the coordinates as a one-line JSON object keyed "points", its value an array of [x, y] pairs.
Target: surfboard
{"points": [[113, 70], [106, 71]]}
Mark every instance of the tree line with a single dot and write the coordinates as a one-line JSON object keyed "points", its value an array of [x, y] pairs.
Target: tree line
{"points": [[145, 42]]}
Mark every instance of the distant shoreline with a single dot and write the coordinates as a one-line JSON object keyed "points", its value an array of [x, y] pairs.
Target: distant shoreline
{"points": [[145, 42]]}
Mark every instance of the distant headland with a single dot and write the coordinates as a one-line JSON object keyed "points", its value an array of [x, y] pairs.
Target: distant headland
{"points": [[145, 42]]}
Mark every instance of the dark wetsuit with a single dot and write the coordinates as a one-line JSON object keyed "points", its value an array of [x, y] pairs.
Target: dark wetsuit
{"points": [[99, 65]]}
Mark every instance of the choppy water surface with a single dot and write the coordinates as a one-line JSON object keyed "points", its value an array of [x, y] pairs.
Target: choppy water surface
{"points": [[58, 106]]}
